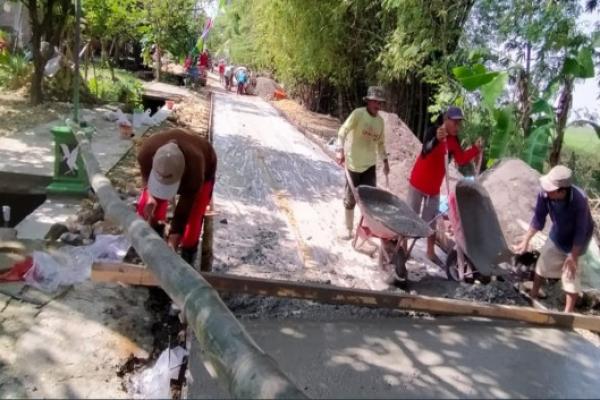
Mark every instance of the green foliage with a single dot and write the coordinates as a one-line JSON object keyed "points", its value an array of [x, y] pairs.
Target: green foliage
{"points": [[472, 78], [15, 70], [536, 147], [173, 25], [504, 130], [581, 65], [125, 89], [423, 39]]}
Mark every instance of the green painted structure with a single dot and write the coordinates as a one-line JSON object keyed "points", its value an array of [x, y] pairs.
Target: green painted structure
{"points": [[70, 177]]}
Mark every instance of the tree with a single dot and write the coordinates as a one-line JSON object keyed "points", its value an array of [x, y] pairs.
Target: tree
{"points": [[169, 25], [48, 23], [111, 22], [539, 44]]}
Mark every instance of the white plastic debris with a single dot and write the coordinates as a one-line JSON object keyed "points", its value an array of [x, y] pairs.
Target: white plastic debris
{"points": [[66, 267], [108, 248], [155, 382]]}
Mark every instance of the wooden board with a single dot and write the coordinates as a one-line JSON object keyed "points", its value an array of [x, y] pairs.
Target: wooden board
{"points": [[137, 275]]}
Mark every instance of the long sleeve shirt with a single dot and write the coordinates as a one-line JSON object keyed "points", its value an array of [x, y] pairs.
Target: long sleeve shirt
{"points": [[200, 166], [366, 137], [572, 223], [430, 167]]}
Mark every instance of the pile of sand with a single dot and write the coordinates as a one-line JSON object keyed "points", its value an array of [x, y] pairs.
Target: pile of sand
{"points": [[265, 88], [513, 186]]}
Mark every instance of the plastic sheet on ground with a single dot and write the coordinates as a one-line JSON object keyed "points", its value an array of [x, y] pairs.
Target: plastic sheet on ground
{"points": [[155, 382], [108, 248], [71, 265], [590, 279], [59, 268]]}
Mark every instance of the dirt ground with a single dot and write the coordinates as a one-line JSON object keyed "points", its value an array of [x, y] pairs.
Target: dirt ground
{"points": [[135, 323], [17, 115]]}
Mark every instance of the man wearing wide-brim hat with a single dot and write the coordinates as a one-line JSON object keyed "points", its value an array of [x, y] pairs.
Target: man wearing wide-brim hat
{"points": [[360, 140], [571, 232]]}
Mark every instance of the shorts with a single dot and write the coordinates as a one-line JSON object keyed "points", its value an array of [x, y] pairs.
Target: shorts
{"points": [[425, 206], [550, 263]]}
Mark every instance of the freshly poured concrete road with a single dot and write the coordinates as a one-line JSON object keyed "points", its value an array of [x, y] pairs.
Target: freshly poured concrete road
{"points": [[416, 358], [278, 205]]}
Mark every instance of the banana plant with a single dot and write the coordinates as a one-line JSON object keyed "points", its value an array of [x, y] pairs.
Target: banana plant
{"points": [[491, 85]]}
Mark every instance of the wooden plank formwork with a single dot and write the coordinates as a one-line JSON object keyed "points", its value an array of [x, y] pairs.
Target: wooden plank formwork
{"points": [[136, 275]]}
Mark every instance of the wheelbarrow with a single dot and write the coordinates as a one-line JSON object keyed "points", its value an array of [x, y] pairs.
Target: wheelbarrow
{"points": [[480, 246], [386, 217]]}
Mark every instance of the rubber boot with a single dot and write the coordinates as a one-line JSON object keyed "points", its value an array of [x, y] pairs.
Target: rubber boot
{"points": [[348, 225], [189, 254]]}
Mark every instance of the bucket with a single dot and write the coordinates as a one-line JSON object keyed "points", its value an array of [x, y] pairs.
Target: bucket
{"points": [[169, 104]]}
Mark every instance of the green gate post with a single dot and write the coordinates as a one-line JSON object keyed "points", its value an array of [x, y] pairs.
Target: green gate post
{"points": [[70, 177]]}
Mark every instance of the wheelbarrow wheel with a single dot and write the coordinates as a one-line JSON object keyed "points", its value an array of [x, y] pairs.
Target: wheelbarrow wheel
{"points": [[470, 272], [396, 258], [452, 268]]}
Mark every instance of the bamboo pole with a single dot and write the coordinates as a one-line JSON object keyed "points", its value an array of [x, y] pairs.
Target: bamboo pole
{"points": [[241, 366]]}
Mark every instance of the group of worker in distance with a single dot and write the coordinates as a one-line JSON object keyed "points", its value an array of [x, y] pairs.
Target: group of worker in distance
{"points": [[229, 73], [178, 162]]}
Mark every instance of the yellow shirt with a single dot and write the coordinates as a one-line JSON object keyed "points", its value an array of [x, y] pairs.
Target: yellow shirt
{"points": [[366, 140]]}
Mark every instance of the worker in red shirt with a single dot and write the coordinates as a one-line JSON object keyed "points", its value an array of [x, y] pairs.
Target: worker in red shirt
{"points": [[430, 168], [177, 162], [203, 60]]}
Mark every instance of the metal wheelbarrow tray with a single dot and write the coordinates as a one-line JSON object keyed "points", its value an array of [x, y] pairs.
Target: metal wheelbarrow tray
{"points": [[387, 217], [478, 233]]}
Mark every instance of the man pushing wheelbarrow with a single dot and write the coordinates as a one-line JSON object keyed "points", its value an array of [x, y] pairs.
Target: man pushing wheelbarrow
{"points": [[383, 215], [360, 140]]}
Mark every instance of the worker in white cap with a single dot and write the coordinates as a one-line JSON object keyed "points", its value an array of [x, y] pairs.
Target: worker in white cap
{"points": [[361, 139], [571, 232], [177, 162]]}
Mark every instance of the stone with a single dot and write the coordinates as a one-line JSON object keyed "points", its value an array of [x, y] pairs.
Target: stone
{"points": [[73, 239], [106, 228], [56, 231], [86, 231]]}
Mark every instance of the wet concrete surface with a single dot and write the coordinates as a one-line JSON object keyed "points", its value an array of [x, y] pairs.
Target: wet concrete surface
{"points": [[421, 358]]}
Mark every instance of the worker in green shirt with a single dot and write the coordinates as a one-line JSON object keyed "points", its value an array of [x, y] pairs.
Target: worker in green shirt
{"points": [[360, 139]]}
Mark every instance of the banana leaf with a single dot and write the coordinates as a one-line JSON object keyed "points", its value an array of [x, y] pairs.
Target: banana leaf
{"points": [[504, 128], [536, 147], [492, 90]]}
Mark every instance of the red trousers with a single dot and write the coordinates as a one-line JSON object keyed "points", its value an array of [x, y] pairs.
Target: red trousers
{"points": [[193, 226]]}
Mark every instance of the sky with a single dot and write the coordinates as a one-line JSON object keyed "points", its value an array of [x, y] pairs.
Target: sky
{"points": [[586, 93]]}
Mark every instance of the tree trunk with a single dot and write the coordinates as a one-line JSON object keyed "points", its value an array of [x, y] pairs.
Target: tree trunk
{"points": [[157, 62], [564, 105], [36, 95]]}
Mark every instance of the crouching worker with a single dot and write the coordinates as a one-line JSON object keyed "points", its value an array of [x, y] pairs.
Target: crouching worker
{"points": [[177, 162], [570, 235]]}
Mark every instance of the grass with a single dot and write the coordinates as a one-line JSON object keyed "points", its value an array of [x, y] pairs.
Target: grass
{"points": [[126, 88], [582, 140]]}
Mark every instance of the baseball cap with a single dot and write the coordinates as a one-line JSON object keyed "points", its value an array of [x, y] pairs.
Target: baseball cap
{"points": [[168, 166], [375, 93], [557, 178], [454, 112]]}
